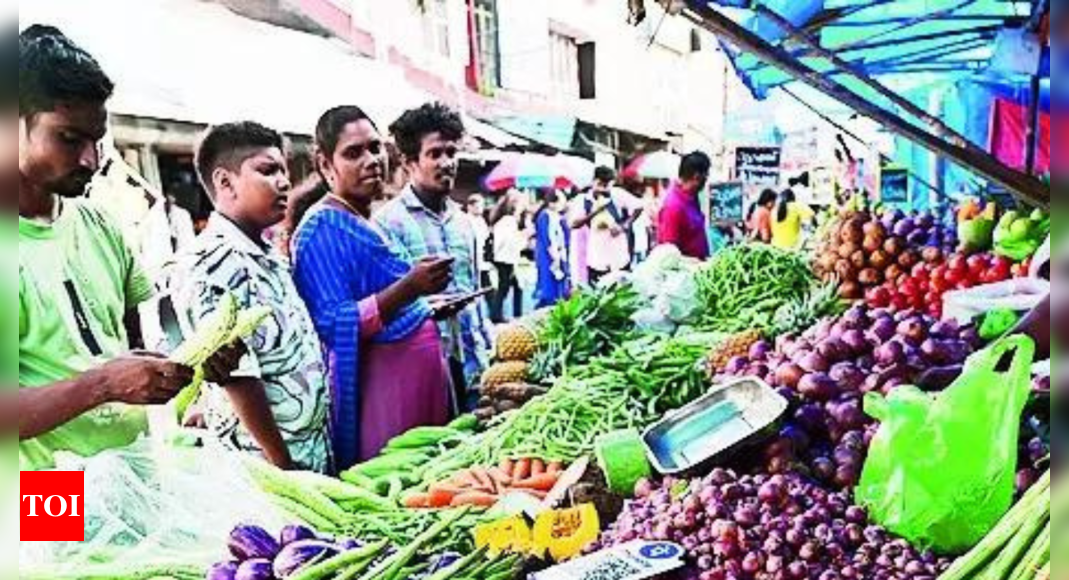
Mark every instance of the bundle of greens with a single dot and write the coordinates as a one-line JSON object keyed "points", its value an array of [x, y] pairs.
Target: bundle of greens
{"points": [[589, 324], [744, 287]]}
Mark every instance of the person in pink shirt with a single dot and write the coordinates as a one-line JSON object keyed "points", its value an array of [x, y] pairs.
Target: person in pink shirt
{"points": [[682, 221]]}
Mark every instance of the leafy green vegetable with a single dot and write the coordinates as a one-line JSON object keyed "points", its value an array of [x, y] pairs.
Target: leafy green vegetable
{"points": [[588, 324]]}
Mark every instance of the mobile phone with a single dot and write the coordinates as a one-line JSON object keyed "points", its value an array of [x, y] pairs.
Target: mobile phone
{"points": [[461, 299]]}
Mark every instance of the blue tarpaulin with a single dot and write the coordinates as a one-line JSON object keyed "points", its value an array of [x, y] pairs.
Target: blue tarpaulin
{"points": [[933, 52]]}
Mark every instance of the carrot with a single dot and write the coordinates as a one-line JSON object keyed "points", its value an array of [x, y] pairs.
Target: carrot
{"points": [[555, 468], [441, 495], [538, 467], [416, 500], [466, 479], [522, 470], [474, 498], [544, 482], [507, 466], [501, 478], [485, 482]]}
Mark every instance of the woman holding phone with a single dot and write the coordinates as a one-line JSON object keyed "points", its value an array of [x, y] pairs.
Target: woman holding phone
{"points": [[369, 302]]}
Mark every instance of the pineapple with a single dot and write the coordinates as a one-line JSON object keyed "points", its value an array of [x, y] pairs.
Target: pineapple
{"points": [[504, 373], [515, 343], [731, 347]]}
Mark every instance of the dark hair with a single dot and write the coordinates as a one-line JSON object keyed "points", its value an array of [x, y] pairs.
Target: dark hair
{"points": [[229, 145], [333, 122], [54, 70], [303, 197], [785, 200], [694, 164], [415, 124], [767, 196], [603, 173]]}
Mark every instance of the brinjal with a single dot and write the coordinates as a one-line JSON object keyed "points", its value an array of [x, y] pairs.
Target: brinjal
{"points": [[255, 569], [251, 542], [298, 554]]}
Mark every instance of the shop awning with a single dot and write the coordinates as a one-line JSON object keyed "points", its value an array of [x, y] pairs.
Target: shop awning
{"points": [[903, 42], [555, 132], [199, 62]]}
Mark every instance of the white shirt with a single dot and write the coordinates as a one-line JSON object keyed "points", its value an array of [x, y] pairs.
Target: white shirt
{"points": [[606, 252], [509, 241], [163, 236], [482, 237]]}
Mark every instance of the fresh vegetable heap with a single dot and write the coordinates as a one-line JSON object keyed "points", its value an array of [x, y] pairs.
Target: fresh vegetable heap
{"points": [[826, 372], [483, 486], [589, 324], [758, 287], [299, 553], [779, 526], [924, 286], [866, 250], [1019, 547]]}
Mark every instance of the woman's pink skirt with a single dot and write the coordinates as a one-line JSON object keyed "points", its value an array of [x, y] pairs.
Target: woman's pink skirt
{"points": [[402, 385]]}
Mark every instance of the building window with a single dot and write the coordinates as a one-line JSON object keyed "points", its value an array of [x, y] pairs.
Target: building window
{"points": [[564, 65], [436, 26], [487, 45]]}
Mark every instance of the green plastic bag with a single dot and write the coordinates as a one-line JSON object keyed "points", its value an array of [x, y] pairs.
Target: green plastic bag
{"points": [[940, 471]]}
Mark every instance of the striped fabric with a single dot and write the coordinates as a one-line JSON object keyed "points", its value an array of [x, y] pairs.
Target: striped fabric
{"points": [[284, 354], [340, 260], [423, 234]]}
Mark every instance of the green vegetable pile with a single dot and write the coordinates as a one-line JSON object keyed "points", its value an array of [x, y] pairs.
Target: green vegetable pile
{"points": [[629, 388], [759, 287], [589, 324]]}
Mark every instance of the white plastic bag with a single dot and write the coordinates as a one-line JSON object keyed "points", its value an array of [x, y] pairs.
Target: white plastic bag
{"points": [[147, 516], [1020, 295]]}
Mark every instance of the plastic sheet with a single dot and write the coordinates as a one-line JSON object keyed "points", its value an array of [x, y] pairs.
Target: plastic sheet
{"points": [[149, 515]]}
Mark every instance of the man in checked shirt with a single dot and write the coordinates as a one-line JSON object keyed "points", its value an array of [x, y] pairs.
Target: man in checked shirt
{"points": [[428, 223]]}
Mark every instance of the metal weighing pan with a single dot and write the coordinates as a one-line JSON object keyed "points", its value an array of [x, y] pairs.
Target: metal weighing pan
{"points": [[733, 415]]}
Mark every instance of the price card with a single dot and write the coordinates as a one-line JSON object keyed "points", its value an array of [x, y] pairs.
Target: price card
{"points": [[632, 561]]}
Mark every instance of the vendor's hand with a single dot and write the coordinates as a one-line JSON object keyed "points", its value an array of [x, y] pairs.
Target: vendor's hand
{"points": [[219, 366], [140, 378], [430, 276]]}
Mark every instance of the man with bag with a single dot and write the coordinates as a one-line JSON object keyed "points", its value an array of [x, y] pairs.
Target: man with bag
{"points": [[607, 214]]}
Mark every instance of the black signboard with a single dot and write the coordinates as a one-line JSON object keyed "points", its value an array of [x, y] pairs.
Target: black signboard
{"points": [[758, 167], [727, 201], [894, 187]]}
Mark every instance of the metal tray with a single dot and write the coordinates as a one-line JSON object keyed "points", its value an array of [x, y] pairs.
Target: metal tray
{"points": [[734, 415]]}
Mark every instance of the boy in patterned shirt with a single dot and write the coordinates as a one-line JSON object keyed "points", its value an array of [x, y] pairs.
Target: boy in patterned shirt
{"points": [[278, 401]]}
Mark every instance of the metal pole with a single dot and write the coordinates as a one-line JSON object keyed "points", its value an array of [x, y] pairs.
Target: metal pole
{"points": [[1029, 189], [1032, 131]]}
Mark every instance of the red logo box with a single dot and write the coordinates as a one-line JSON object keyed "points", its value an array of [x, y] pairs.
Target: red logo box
{"points": [[52, 506]]}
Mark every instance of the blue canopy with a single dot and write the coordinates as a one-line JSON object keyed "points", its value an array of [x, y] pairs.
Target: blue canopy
{"points": [[902, 43]]}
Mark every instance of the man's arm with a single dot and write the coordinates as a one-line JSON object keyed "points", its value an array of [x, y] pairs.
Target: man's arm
{"points": [[250, 404], [138, 379], [584, 221]]}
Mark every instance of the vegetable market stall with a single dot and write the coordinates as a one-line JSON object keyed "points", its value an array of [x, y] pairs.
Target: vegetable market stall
{"points": [[555, 468]]}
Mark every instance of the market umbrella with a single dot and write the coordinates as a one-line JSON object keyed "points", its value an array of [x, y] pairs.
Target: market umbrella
{"points": [[580, 171], [659, 165], [531, 170]]}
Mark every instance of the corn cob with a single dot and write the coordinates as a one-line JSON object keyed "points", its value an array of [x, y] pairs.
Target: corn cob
{"points": [[247, 323], [211, 335]]}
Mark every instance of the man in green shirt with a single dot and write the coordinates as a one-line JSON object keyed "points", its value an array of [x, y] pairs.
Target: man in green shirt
{"points": [[79, 282]]}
